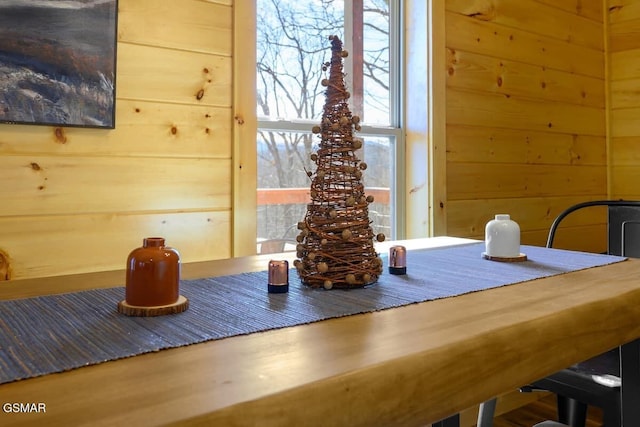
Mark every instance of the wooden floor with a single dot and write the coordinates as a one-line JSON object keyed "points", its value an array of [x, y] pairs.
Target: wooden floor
{"points": [[541, 410]]}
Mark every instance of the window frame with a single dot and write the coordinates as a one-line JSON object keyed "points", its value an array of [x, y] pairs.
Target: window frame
{"points": [[396, 112]]}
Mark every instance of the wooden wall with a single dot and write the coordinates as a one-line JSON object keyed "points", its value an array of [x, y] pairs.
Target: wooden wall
{"points": [[624, 68], [525, 115], [76, 200]]}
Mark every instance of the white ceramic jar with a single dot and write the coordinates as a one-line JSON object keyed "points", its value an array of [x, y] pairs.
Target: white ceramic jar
{"points": [[502, 237]]}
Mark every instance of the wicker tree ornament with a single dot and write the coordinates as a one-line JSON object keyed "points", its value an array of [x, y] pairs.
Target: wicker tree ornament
{"points": [[335, 245]]}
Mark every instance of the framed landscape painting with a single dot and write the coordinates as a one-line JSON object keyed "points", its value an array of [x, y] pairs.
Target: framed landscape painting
{"points": [[58, 62]]}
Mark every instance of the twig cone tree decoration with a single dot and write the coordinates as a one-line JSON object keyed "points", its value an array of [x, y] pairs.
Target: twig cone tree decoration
{"points": [[335, 244]]}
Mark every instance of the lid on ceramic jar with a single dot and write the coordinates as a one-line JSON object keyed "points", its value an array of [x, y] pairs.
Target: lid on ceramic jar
{"points": [[154, 242]]}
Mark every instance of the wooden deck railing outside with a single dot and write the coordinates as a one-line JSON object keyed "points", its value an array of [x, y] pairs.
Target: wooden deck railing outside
{"points": [[285, 196]]}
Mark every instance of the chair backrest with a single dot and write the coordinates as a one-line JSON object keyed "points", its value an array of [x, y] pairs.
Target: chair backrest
{"points": [[623, 227], [624, 230]]}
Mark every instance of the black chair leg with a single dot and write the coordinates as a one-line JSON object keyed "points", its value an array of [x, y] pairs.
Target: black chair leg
{"points": [[611, 417], [629, 360], [571, 412], [486, 413], [453, 421]]}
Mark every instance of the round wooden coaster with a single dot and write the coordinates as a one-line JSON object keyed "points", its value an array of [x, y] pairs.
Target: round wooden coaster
{"points": [[134, 310], [519, 258]]}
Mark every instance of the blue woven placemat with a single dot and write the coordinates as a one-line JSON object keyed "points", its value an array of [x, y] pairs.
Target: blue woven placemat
{"points": [[56, 333]]}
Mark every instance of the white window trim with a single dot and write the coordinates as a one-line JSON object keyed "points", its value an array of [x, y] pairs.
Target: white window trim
{"points": [[424, 191]]}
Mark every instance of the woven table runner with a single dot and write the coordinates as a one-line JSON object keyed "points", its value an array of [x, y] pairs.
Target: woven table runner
{"points": [[56, 333]]}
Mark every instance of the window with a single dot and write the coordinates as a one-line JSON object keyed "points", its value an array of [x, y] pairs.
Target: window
{"points": [[292, 45]]}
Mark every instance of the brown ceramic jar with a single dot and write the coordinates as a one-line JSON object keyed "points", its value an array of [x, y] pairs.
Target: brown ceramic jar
{"points": [[153, 274]]}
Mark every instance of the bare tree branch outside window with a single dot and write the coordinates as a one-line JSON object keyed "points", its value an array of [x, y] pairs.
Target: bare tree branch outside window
{"points": [[292, 45]]}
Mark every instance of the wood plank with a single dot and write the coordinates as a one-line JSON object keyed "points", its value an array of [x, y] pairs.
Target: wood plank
{"points": [[165, 130], [469, 181], [624, 182], [175, 76], [468, 70], [624, 122], [588, 238], [245, 169], [623, 10], [534, 17], [434, 152], [632, 195], [624, 151], [625, 65], [46, 185], [486, 38], [469, 217], [411, 349], [624, 35], [588, 9], [194, 25], [625, 93], [41, 246], [624, 18], [497, 145], [494, 110], [170, 153]]}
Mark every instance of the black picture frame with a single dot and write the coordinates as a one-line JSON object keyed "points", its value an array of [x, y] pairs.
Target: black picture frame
{"points": [[58, 62]]}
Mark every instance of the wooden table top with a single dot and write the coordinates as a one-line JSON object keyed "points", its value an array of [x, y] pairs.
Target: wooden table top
{"points": [[405, 366]]}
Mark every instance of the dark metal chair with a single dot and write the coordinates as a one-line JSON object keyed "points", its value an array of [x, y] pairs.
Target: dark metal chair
{"points": [[595, 381], [623, 225]]}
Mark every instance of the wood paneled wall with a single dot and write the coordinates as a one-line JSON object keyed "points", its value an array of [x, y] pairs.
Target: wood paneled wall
{"points": [[525, 116], [624, 67], [527, 91], [76, 200]]}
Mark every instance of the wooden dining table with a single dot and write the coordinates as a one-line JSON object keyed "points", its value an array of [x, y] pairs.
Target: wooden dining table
{"points": [[406, 366]]}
